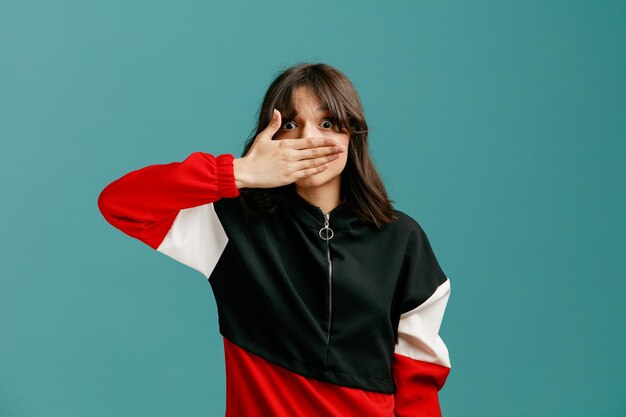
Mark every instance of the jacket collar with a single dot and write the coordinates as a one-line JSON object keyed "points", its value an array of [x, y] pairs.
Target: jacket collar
{"points": [[342, 217]]}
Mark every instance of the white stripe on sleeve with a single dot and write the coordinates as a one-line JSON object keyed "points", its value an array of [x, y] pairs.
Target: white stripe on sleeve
{"points": [[196, 239], [418, 329]]}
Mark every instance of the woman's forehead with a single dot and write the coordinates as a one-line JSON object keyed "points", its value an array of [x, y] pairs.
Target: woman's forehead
{"points": [[304, 99]]}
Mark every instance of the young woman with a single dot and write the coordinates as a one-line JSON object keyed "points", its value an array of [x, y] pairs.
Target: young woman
{"points": [[329, 299]]}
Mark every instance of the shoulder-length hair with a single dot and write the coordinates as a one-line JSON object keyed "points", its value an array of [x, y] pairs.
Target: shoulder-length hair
{"points": [[361, 186]]}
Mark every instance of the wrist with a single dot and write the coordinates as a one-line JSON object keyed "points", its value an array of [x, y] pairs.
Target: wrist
{"points": [[239, 169]]}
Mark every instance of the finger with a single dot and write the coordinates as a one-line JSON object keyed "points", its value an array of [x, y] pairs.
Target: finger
{"points": [[312, 142], [272, 127], [310, 171], [319, 151], [315, 162]]}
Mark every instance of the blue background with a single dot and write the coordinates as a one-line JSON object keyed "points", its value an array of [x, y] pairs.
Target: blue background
{"points": [[500, 126]]}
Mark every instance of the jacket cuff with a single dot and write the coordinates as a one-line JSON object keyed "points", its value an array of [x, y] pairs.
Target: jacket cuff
{"points": [[226, 175]]}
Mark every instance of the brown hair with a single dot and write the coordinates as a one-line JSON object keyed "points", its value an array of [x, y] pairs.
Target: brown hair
{"points": [[361, 186]]}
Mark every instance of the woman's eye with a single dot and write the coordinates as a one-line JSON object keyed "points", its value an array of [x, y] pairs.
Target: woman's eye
{"points": [[326, 123]]}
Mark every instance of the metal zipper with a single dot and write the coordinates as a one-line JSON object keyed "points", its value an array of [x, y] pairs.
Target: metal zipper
{"points": [[327, 233]]}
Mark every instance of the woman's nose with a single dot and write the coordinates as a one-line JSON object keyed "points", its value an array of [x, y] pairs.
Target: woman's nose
{"points": [[309, 130]]}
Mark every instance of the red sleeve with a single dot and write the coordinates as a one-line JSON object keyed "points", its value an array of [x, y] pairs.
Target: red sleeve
{"points": [[421, 361], [145, 203]]}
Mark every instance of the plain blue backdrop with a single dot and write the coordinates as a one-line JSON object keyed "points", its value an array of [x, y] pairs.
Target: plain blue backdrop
{"points": [[499, 126]]}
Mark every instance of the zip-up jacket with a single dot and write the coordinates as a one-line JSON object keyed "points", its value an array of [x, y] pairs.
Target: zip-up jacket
{"points": [[321, 314]]}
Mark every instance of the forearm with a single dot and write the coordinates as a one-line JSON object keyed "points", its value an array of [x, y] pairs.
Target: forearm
{"points": [[144, 202]]}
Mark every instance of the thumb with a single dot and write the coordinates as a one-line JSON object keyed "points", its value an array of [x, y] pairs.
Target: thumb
{"points": [[273, 126]]}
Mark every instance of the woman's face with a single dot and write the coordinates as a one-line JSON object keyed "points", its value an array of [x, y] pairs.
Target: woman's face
{"points": [[313, 121]]}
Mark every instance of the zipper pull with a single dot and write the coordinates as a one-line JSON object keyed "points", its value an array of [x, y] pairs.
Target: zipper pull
{"points": [[328, 232]]}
